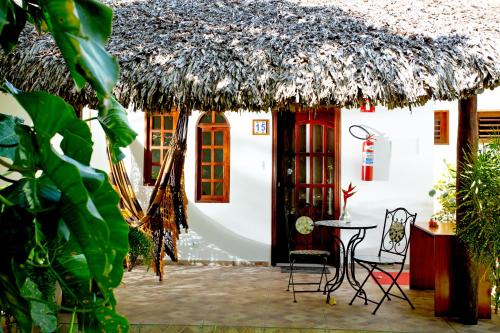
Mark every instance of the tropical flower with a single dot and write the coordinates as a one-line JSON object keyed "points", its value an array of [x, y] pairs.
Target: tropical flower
{"points": [[348, 193]]}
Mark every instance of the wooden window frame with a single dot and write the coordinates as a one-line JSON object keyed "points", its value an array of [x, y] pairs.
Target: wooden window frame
{"points": [[486, 114], [148, 164], [213, 127], [443, 128]]}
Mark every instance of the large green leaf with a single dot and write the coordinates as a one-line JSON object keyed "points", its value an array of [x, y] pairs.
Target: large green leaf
{"points": [[12, 21], [51, 115], [41, 313], [5, 7], [81, 37], [8, 136], [113, 119], [11, 298]]}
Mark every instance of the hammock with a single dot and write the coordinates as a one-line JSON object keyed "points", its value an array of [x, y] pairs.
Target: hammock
{"points": [[167, 209]]}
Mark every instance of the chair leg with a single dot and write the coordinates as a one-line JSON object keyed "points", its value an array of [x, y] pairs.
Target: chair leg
{"points": [[358, 292], [292, 262], [387, 292]]}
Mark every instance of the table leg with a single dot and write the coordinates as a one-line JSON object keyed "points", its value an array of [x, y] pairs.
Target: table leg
{"points": [[335, 282], [351, 272]]}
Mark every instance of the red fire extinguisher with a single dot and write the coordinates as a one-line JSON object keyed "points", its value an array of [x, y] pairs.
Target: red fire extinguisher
{"points": [[367, 162]]}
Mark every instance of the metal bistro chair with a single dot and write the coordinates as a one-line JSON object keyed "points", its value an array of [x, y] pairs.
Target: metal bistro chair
{"points": [[393, 250], [304, 226]]}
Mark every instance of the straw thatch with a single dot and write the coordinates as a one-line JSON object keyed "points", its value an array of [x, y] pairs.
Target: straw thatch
{"points": [[257, 55]]}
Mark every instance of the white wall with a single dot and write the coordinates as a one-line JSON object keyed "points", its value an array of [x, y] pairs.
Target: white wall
{"points": [[410, 167]]}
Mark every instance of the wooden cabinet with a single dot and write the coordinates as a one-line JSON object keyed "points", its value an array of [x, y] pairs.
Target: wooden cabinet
{"points": [[432, 266]]}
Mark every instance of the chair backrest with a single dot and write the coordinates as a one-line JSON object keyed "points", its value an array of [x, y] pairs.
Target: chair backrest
{"points": [[396, 233], [303, 226]]}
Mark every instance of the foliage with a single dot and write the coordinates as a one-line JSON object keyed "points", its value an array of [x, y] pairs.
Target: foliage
{"points": [[445, 189], [479, 228], [59, 217], [140, 244]]}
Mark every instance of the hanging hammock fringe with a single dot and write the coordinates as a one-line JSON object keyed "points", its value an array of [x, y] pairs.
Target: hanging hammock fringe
{"points": [[167, 210]]}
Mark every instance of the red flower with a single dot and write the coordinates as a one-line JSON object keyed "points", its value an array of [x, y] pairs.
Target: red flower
{"points": [[348, 193]]}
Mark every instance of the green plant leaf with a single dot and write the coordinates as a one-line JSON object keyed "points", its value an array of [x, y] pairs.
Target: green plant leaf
{"points": [[51, 115], [11, 298], [111, 321], [8, 136], [113, 119], [80, 37], [41, 313], [12, 22]]}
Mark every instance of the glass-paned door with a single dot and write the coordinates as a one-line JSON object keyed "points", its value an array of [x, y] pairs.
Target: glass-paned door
{"points": [[315, 165]]}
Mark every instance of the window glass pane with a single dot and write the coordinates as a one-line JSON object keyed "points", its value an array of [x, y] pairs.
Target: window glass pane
{"points": [[317, 138], [207, 118], [303, 166], [155, 170], [156, 122], [317, 198], [303, 197], [302, 138], [329, 170], [206, 172], [330, 140], [219, 119], [207, 138], [218, 138], [218, 155], [206, 155], [155, 139], [317, 172], [155, 155], [218, 172], [206, 188], [167, 137], [218, 186], [168, 122], [330, 202]]}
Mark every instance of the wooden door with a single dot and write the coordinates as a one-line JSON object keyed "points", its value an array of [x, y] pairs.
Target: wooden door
{"points": [[307, 173]]}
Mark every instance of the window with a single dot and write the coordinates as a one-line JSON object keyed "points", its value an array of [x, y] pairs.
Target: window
{"points": [[160, 128], [441, 136], [212, 158], [489, 125]]}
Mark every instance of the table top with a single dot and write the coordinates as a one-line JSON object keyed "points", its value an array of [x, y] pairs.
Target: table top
{"points": [[443, 229], [346, 225]]}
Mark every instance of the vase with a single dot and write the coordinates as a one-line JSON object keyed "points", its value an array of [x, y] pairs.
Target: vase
{"points": [[344, 215]]}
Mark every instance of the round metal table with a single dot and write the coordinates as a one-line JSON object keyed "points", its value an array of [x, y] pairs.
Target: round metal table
{"points": [[346, 267]]}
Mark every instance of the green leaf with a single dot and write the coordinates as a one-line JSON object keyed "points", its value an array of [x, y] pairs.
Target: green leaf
{"points": [[12, 22], [111, 321], [95, 19], [41, 313], [113, 119], [11, 298], [8, 136], [80, 37], [51, 115]]}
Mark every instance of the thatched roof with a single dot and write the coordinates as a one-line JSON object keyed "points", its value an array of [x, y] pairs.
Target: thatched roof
{"points": [[244, 54]]}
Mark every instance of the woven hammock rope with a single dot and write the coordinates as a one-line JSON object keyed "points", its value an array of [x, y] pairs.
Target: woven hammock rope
{"points": [[167, 210]]}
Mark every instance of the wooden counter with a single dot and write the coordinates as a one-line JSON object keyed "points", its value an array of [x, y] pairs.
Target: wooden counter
{"points": [[432, 266]]}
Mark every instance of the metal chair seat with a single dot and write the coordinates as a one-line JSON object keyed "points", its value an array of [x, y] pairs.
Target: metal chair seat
{"points": [[376, 260], [310, 253]]}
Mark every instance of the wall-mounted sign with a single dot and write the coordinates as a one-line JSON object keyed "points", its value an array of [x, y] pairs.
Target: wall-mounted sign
{"points": [[260, 127]]}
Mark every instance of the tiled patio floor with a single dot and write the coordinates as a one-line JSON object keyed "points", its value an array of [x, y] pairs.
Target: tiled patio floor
{"points": [[253, 299]]}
